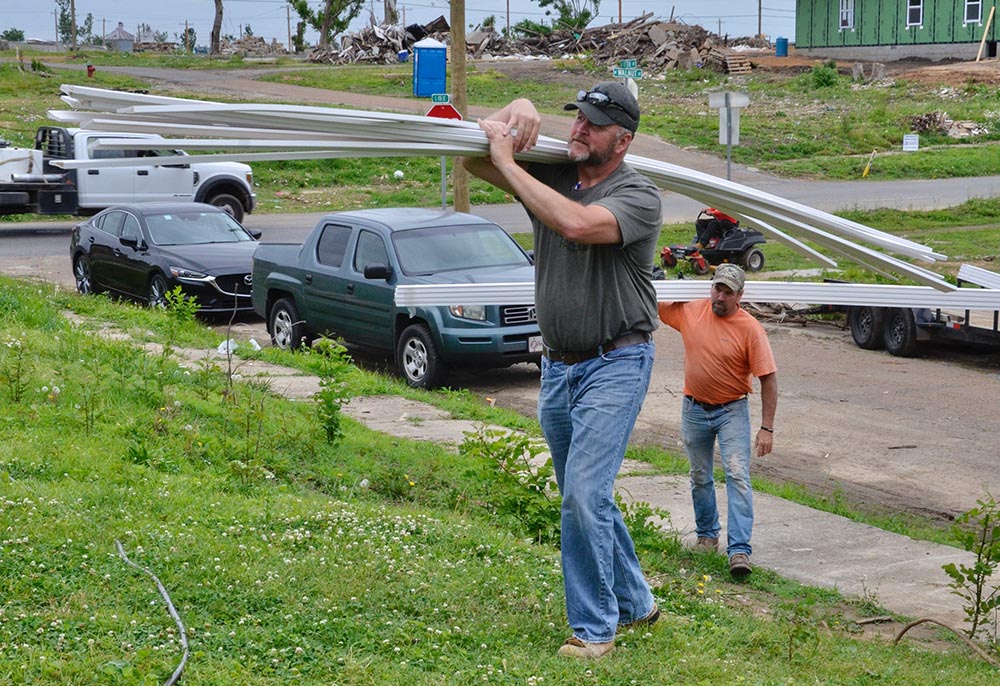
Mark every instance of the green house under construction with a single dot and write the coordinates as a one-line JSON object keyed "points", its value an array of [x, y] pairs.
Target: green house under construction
{"points": [[888, 30]]}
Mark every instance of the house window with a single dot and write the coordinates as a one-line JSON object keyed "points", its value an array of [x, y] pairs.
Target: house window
{"points": [[973, 11], [846, 14], [914, 12]]}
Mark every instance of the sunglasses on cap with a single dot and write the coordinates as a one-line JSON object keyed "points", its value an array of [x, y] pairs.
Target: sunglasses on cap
{"points": [[598, 100]]}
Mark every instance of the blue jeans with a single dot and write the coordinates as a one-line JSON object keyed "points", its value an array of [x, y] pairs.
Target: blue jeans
{"points": [[587, 411], [699, 430]]}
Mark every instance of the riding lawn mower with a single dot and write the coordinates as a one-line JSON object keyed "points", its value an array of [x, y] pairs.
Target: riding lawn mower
{"points": [[719, 238]]}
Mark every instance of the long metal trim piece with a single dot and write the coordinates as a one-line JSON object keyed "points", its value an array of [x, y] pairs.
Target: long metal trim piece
{"points": [[682, 290]]}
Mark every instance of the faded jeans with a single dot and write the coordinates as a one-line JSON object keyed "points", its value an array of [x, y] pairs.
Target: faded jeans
{"points": [[587, 411], [730, 425]]}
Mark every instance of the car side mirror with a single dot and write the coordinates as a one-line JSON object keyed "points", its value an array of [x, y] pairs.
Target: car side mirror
{"points": [[378, 271], [256, 233], [531, 256], [131, 242]]}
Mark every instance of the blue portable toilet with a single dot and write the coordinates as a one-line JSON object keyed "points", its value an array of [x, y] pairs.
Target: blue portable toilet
{"points": [[781, 47], [429, 68]]}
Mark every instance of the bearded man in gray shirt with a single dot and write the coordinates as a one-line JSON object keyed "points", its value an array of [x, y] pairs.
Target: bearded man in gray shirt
{"points": [[596, 222]]}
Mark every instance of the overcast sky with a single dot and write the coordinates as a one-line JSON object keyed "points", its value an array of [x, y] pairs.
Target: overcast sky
{"points": [[268, 18]]}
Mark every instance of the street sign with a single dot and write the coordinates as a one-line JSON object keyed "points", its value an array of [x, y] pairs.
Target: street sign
{"points": [[736, 99], [444, 111], [911, 142], [628, 64], [624, 73], [441, 97]]}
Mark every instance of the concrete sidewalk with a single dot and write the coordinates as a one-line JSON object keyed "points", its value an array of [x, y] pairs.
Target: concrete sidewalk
{"points": [[813, 547]]}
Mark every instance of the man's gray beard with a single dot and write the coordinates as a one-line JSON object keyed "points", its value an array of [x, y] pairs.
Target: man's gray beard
{"points": [[590, 158]]}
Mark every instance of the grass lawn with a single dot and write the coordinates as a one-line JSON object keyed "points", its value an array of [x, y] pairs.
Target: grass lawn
{"points": [[293, 557]]}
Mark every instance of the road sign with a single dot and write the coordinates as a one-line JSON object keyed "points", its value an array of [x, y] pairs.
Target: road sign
{"points": [[624, 73], [444, 111], [911, 142], [440, 97], [628, 64]]}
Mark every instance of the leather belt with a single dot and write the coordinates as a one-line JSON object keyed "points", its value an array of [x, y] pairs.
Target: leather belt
{"points": [[575, 356], [709, 407]]}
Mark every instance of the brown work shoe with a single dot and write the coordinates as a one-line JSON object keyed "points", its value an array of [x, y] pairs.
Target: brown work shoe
{"points": [[648, 620], [707, 545], [739, 565], [574, 647]]}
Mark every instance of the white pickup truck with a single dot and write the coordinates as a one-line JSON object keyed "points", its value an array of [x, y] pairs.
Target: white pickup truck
{"points": [[29, 183]]}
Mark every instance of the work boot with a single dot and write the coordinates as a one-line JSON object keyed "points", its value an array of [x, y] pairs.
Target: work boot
{"points": [[739, 565], [648, 620], [707, 545], [697, 246], [574, 647]]}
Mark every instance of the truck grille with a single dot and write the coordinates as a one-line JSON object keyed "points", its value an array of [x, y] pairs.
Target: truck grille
{"points": [[513, 315]]}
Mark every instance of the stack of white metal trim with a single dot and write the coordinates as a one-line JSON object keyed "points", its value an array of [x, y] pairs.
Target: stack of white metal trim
{"points": [[257, 132]]}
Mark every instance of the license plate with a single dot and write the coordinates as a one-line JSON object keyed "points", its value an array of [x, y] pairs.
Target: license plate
{"points": [[534, 344]]}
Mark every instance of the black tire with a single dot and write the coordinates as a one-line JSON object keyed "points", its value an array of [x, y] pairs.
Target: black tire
{"points": [[83, 276], [418, 360], [866, 327], [752, 259], [900, 331], [156, 295], [286, 327], [230, 203], [667, 259], [700, 267]]}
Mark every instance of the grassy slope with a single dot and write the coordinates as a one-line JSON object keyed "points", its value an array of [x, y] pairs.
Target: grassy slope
{"points": [[288, 558]]}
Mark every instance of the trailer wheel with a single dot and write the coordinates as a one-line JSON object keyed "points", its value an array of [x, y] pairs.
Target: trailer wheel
{"points": [[900, 332], [752, 259], [866, 327], [229, 203]]}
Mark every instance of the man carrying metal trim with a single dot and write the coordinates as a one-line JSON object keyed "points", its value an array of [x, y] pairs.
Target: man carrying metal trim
{"points": [[724, 346], [596, 223]]}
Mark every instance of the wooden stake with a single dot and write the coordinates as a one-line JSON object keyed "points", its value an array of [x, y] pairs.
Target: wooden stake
{"points": [[986, 32]]}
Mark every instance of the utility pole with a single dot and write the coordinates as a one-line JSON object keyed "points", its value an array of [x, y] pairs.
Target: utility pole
{"points": [[459, 177], [55, 17], [72, 19], [760, 14], [619, 12], [288, 18]]}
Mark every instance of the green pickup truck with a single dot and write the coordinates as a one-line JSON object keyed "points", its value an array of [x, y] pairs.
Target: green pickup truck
{"points": [[342, 280]]}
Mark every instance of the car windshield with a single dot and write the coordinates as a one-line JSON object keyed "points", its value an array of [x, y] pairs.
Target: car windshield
{"points": [[193, 228], [442, 249]]}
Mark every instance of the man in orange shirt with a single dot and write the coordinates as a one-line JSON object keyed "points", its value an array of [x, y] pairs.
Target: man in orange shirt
{"points": [[724, 347]]}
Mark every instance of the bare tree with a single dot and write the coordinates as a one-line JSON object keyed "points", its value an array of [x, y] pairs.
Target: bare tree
{"points": [[216, 28]]}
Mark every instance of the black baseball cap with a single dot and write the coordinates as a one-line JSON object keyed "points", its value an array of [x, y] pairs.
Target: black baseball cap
{"points": [[609, 102]]}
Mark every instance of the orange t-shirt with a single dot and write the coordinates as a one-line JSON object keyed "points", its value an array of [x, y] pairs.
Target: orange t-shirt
{"points": [[721, 354]]}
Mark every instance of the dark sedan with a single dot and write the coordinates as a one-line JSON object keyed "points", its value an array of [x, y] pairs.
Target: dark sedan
{"points": [[145, 250]]}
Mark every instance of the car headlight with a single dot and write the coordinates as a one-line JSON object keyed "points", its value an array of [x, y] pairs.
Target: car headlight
{"points": [[477, 312], [182, 273]]}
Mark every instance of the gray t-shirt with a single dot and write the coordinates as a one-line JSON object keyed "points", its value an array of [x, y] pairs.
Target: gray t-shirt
{"points": [[585, 295]]}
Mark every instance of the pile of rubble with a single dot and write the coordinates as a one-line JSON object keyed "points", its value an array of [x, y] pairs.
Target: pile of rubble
{"points": [[940, 123], [252, 46], [655, 45], [379, 44]]}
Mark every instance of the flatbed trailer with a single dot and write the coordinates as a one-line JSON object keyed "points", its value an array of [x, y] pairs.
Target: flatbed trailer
{"points": [[901, 330]]}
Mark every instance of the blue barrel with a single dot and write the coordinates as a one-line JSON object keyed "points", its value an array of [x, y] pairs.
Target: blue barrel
{"points": [[781, 47], [429, 68]]}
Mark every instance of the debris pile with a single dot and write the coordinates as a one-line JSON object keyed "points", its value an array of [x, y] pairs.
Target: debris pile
{"points": [[940, 123], [655, 45], [252, 46], [380, 44]]}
